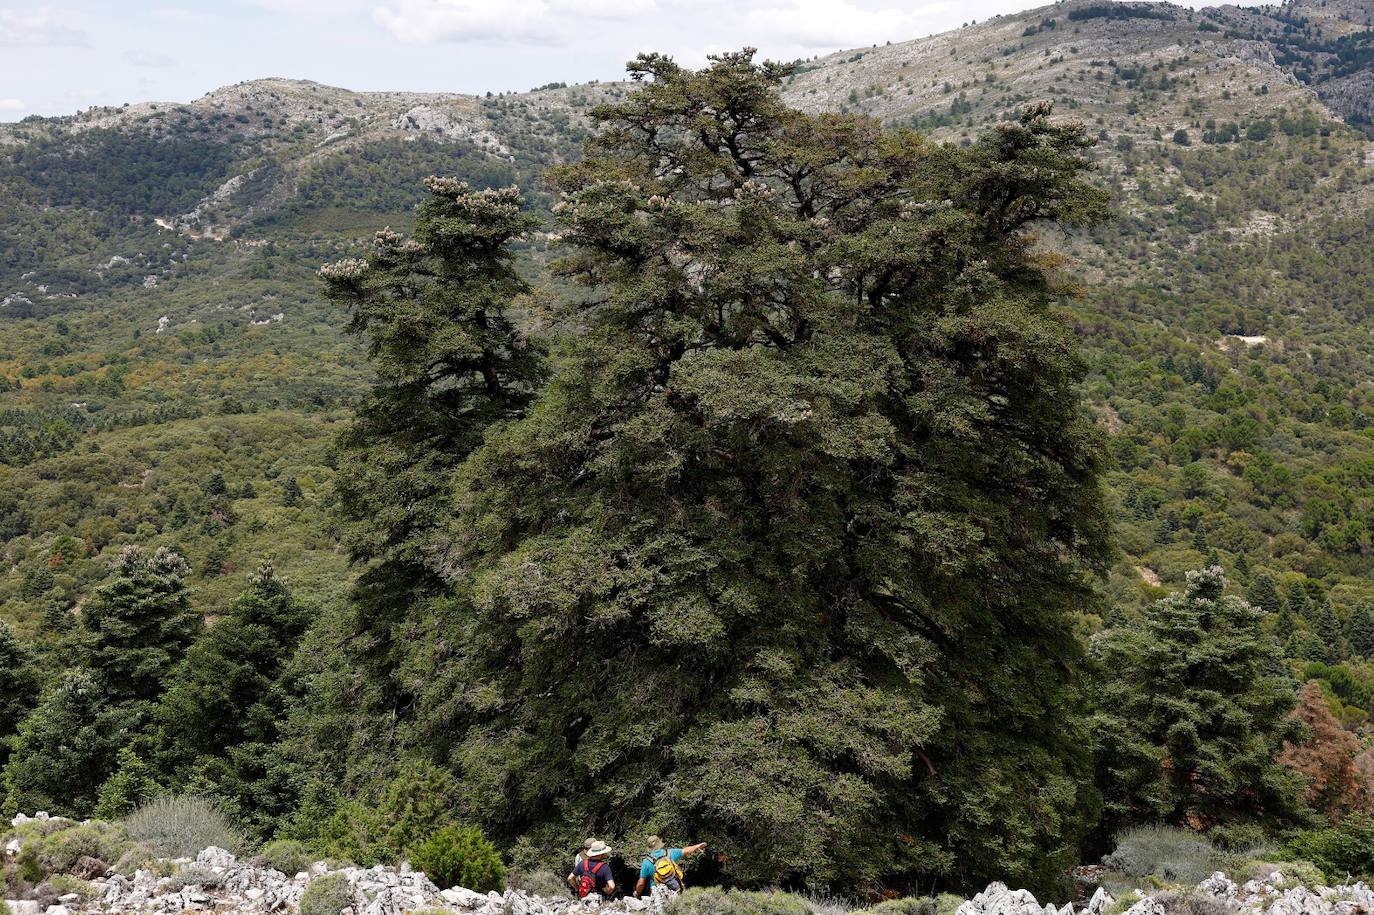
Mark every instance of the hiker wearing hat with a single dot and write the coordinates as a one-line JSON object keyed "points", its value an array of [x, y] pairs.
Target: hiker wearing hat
{"points": [[662, 867], [592, 874], [581, 853]]}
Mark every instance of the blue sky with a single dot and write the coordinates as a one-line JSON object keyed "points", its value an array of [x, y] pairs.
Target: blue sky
{"points": [[58, 57]]}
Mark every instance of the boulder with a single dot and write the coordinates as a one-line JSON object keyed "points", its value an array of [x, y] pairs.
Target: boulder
{"points": [[1219, 886], [88, 868], [215, 857]]}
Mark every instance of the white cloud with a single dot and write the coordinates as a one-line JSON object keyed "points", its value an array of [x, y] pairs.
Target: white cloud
{"points": [[838, 23], [312, 7], [148, 59], [534, 21], [39, 27], [12, 104]]}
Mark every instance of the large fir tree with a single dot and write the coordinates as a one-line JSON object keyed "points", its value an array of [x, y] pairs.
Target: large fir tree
{"points": [[435, 311], [137, 625], [786, 557], [19, 684], [1192, 716]]}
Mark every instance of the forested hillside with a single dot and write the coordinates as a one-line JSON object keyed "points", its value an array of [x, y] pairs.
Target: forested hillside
{"points": [[1189, 321]]}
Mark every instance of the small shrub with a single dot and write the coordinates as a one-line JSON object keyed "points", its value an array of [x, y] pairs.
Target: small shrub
{"points": [[1343, 850], [943, 904], [712, 900], [460, 856], [138, 856], [193, 875], [65, 883], [1172, 854], [1195, 904], [823, 902], [58, 852], [288, 856], [182, 826], [543, 883], [329, 894], [906, 905], [378, 830]]}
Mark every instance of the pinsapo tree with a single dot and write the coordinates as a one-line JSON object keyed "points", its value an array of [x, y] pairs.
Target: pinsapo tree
{"points": [[786, 555]]}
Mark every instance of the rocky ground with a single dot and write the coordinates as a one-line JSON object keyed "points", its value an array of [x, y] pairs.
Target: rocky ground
{"points": [[215, 881]]}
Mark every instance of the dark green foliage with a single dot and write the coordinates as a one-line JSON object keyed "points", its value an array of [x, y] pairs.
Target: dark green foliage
{"points": [[434, 311], [1264, 594], [460, 856], [138, 625], [1326, 628], [124, 171], [416, 803], [819, 408], [1118, 11], [19, 685], [63, 750], [1361, 629], [131, 786], [1190, 715], [328, 894], [1343, 851], [214, 697]]}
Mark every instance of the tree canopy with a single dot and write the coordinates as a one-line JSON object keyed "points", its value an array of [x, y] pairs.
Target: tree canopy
{"points": [[786, 554]]}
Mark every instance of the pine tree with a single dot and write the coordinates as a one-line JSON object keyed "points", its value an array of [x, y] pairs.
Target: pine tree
{"points": [[450, 362], [136, 626], [63, 750], [1324, 755], [1298, 600], [214, 485], [1264, 594], [1362, 629], [210, 697], [1243, 567], [1326, 626], [18, 686], [291, 492], [1191, 716], [820, 414], [131, 785]]}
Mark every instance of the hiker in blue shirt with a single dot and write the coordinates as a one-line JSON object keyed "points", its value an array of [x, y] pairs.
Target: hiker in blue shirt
{"points": [[661, 866]]}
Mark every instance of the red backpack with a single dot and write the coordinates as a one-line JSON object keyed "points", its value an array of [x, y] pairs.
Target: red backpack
{"points": [[586, 881]]}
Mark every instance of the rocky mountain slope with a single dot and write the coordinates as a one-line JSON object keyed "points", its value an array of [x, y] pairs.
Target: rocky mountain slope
{"points": [[161, 318]]}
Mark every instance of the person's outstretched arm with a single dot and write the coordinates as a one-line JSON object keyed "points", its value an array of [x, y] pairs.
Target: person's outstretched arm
{"points": [[693, 849]]}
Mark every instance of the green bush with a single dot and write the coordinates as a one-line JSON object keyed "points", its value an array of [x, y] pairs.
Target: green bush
{"points": [[138, 856], [66, 883], [1171, 854], [180, 826], [45, 854], [943, 904], [542, 882], [712, 900], [378, 830], [460, 856], [288, 856], [1343, 850], [327, 895]]}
